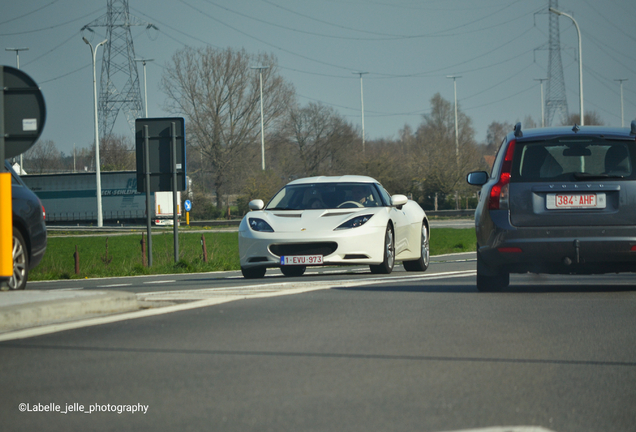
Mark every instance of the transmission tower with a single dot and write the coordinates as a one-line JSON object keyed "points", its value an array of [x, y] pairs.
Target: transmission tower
{"points": [[119, 82], [556, 104]]}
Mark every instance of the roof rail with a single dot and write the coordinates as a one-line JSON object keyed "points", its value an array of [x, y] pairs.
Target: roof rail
{"points": [[633, 131], [518, 132]]}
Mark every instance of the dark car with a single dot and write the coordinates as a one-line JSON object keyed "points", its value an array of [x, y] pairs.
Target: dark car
{"points": [[29, 231], [558, 201]]}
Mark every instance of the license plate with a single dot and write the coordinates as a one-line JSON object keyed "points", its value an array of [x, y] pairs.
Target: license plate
{"points": [[301, 260], [557, 201]]}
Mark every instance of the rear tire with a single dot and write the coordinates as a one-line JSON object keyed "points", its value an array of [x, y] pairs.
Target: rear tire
{"points": [[293, 271], [20, 275], [253, 272], [389, 255], [489, 279], [421, 264]]}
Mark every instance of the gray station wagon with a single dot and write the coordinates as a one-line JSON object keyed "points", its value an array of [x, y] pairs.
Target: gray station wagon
{"points": [[558, 200]]}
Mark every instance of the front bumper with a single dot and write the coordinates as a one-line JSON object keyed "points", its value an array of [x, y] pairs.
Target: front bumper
{"points": [[364, 245]]}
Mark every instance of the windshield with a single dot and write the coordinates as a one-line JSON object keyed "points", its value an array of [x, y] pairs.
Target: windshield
{"points": [[573, 159], [325, 196]]}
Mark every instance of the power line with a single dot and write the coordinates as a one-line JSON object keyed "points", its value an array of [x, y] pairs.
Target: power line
{"points": [[29, 13], [50, 27]]}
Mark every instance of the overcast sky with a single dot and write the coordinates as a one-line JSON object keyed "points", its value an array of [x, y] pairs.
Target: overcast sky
{"points": [[408, 48]]}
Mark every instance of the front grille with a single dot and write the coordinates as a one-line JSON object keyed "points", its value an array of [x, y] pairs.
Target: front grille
{"points": [[318, 248]]}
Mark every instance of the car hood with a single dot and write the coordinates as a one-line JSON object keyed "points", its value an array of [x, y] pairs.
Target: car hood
{"points": [[310, 220]]}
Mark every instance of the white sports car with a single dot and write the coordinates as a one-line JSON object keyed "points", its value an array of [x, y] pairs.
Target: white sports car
{"points": [[333, 221]]}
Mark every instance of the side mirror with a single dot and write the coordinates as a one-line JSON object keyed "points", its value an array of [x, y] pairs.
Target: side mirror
{"points": [[477, 178], [398, 201], [256, 204]]}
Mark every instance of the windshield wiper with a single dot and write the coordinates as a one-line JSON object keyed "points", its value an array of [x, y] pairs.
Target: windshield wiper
{"points": [[585, 176]]}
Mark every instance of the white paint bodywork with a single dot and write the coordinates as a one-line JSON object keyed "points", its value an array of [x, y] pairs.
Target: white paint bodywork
{"points": [[319, 225]]}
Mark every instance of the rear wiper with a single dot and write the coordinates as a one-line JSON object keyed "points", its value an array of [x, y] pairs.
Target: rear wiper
{"points": [[585, 176]]}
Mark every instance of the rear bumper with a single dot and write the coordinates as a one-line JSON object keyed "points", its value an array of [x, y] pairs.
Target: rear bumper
{"points": [[561, 250]]}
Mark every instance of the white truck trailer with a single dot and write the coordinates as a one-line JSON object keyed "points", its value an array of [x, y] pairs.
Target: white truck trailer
{"points": [[72, 198]]}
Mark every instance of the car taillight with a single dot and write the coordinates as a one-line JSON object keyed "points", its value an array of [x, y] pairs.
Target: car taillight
{"points": [[499, 192], [43, 213]]}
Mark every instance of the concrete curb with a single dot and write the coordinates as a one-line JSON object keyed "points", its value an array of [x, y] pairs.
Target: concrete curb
{"points": [[22, 309]]}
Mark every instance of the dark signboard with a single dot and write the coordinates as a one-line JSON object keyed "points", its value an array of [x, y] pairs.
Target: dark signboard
{"points": [[160, 150]]}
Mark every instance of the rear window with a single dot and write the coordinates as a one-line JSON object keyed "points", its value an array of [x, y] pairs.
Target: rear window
{"points": [[569, 159]]}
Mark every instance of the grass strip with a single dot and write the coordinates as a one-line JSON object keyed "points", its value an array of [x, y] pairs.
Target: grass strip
{"points": [[124, 256]]}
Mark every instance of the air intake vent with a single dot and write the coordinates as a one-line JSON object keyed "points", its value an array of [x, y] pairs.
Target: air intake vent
{"points": [[288, 215], [318, 248]]}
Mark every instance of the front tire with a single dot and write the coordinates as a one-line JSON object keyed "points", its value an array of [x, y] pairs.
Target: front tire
{"points": [[253, 272], [20, 275], [293, 271], [389, 255], [422, 263]]}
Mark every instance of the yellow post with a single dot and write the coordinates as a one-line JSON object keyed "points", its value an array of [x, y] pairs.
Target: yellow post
{"points": [[187, 218], [6, 227]]}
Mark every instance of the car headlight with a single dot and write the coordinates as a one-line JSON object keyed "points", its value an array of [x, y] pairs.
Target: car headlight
{"points": [[355, 222], [260, 225]]}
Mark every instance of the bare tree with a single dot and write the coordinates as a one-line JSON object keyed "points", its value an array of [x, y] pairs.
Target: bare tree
{"points": [[495, 134], [116, 153], [323, 140], [591, 118], [435, 148], [218, 93], [42, 157]]}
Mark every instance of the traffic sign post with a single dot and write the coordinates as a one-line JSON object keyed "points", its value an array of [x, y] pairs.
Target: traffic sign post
{"points": [[22, 117], [187, 206], [161, 163]]}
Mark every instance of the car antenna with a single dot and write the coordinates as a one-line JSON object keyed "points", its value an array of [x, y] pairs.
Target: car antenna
{"points": [[633, 132], [518, 132], [576, 128]]}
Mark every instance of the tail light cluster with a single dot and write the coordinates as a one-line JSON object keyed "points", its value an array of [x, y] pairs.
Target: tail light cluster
{"points": [[43, 211], [500, 191]]}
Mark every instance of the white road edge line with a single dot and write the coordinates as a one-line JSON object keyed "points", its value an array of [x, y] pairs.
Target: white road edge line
{"points": [[326, 284], [312, 286]]}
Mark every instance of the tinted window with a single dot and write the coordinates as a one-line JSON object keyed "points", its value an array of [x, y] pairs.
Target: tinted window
{"points": [[325, 196], [385, 196], [569, 159]]}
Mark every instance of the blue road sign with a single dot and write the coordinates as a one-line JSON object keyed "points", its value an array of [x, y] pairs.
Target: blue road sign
{"points": [[188, 205]]}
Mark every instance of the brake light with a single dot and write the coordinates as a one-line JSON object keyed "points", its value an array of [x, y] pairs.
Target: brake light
{"points": [[43, 213], [499, 192]]}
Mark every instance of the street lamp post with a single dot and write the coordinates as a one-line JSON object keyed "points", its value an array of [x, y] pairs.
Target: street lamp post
{"points": [[582, 113], [100, 217], [542, 110], [17, 62], [362, 105], [143, 61], [17, 54], [454, 77], [260, 73], [620, 80]]}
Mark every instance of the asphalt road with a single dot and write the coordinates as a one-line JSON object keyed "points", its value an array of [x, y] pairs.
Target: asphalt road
{"points": [[409, 354]]}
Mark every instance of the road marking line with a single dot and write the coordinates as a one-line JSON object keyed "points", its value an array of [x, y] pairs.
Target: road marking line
{"points": [[324, 284], [160, 281], [211, 301], [113, 285]]}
